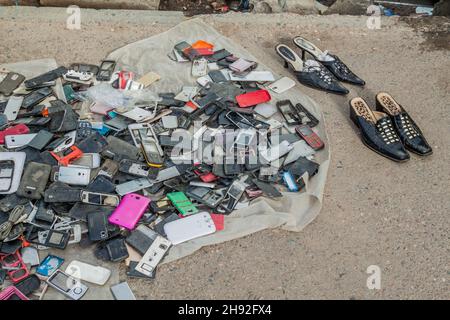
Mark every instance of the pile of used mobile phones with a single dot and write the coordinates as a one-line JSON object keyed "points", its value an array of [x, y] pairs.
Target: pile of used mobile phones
{"points": [[130, 178]]}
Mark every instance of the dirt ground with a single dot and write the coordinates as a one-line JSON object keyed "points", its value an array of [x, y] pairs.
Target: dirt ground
{"points": [[376, 212]]}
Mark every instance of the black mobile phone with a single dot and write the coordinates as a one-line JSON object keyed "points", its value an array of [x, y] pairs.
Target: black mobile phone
{"points": [[106, 70], [286, 109]]}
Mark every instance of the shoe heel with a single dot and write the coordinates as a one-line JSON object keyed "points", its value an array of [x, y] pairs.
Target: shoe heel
{"points": [[353, 116], [286, 64], [378, 105], [303, 55]]}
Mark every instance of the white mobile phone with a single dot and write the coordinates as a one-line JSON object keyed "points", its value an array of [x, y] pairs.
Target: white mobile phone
{"points": [[203, 81], [258, 76], [266, 110], [153, 255], [199, 67], [88, 160], [74, 175], [281, 85], [67, 143], [122, 291], [18, 140], [87, 272], [187, 93], [191, 227], [12, 107], [139, 114]]}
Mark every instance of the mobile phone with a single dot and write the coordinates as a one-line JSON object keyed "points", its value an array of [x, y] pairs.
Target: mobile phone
{"points": [[199, 67], [153, 153], [98, 225], [153, 256], [34, 180], [78, 176], [305, 117], [88, 160], [67, 285], [137, 169], [106, 70], [68, 155], [11, 168], [18, 140], [100, 199], [12, 107], [253, 98], [311, 138], [10, 83], [182, 203], [289, 180], [87, 272], [45, 77], [56, 239], [12, 293], [130, 210], [34, 97], [244, 138], [189, 228], [286, 109], [133, 186], [122, 291], [14, 266], [63, 143], [281, 85], [14, 130], [49, 265], [208, 197]]}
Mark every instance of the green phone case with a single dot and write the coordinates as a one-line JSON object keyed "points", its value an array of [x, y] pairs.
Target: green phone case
{"points": [[182, 203]]}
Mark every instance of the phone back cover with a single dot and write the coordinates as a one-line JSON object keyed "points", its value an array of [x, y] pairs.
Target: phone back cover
{"points": [[130, 210]]}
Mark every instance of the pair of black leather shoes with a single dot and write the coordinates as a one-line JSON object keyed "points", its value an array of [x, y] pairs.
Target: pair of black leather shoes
{"points": [[389, 131], [324, 72]]}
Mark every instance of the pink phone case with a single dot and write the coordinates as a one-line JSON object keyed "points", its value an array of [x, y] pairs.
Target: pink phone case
{"points": [[12, 292], [129, 211]]}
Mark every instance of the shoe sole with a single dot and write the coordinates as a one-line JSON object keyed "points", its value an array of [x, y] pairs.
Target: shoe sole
{"points": [[419, 154], [324, 90], [382, 154]]}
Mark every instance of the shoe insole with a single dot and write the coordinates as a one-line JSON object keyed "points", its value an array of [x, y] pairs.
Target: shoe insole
{"points": [[308, 46], [362, 109], [290, 56], [389, 104]]}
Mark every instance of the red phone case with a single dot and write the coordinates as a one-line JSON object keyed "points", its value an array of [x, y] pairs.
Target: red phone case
{"points": [[17, 129], [19, 269], [253, 98]]}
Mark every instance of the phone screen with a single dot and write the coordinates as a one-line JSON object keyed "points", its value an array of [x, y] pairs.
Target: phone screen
{"points": [[62, 281], [305, 131], [94, 198], [55, 238]]}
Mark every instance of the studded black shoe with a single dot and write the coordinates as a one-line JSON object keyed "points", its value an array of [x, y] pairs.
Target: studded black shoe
{"points": [[408, 131], [310, 73], [377, 131], [330, 61]]}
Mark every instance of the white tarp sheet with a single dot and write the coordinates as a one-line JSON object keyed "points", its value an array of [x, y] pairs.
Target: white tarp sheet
{"points": [[294, 210]]}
